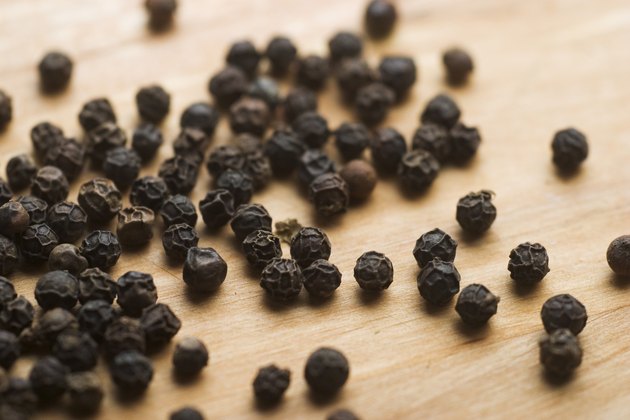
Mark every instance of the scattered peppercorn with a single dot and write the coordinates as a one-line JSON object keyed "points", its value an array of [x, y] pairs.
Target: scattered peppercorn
{"points": [[68, 220], [76, 350], [122, 166], [160, 324], [161, 13], [388, 147], [399, 74], [132, 372], [297, 102], [204, 269], [67, 257], [308, 245], [57, 289], [228, 85], [267, 90], [44, 136], [223, 158], [570, 149], [282, 279], [124, 334], [153, 103], [35, 207], [245, 56], [217, 208], [201, 116], [563, 311], [248, 218], [68, 155], [441, 110], [96, 112], [6, 110], [417, 170], [476, 304], [95, 316], [102, 139], [85, 392], [146, 141], [475, 212], [438, 281], [352, 75], [100, 199], [186, 413], [179, 174], [326, 371], [55, 70], [48, 379], [284, 150], [344, 45], [311, 129], [465, 142], [37, 242], [52, 323], [560, 353], [258, 167], [380, 17], [178, 209], [373, 103], [458, 64], [135, 226], [270, 384], [618, 255], [95, 284], [9, 349], [148, 191], [287, 229], [249, 115], [321, 278], [351, 140], [136, 291], [529, 263], [434, 139], [312, 164], [360, 177], [374, 271], [20, 172], [190, 357], [330, 195], [281, 53], [14, 218], [178, 239], [17, 315], [260, 247], [432, 244], [50, 184], [101, 248], [7, 291]]}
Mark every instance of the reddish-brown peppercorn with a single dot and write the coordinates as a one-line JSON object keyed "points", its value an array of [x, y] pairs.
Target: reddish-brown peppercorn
{"points": [[360, 177]]}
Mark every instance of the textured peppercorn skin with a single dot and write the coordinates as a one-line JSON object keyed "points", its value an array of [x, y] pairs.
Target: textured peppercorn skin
{"points": [[36, 208], [560, 353], [122, 166], [178, 239], [190, 357], [345, 45], [388, 147], [85, 392], [149, 191], [146, 140], [321, 278], [57, 289], [9, 349], [136, 291], [9, 257], [52, 323], [227, 86], [217, 208], [96, 112], [44, 136], [438, 281], [373, 103], [67, 257], [95, 284], [17, 315], [441, 110], [464, 141], [50, 184], [284, 150], [312, 164], [270, 384], [563, 311], [475, 212], [100, 199], [179, 173], [435, 140], [124, 334], [48, 378], [225, 157], [476, 304], [7, 291], [68, 155], [249, 115], [248, 218], [76, 350], [239, 183], [204, 269], [529, 263], [258, 167], [351, 139], [417, 170], [20, 171], [330, 194], [374, 271], [311, 129], [399, 74], [618, 256], [281, 53], [380, 17], [94, 317], [570, 149], [37, 242], [102, 139], [260, 247], [160, 324], [68, 220], [135, 226], [432, 244], [132, 372], [101, 248], [312, 72], [153, 103], [282, 279], [326, 371], [178, 209], [308, 245]]}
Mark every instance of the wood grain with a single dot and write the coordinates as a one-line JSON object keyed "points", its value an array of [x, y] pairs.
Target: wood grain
{"points": [[541, 66]]}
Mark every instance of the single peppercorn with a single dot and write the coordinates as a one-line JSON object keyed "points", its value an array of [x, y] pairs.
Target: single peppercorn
{"points": [[311, 129], [228, 85], [17, 315], [434, 139], [52, 323], [270, 384], [281, 53], [563, 311], [297, 102], [161, 13], [178, 209], [458, 65], [57, 289], [475, 212], [330, 195], [50, 184], [96, 112], [190, 357], [344, 45], [35, 207], [45, 136], [6, 110], [9, 349], [570, 149], [438, 281], [14, 218], [308, 245], [95, 284], [132, 372], [312, 164], [321, 278], [191, 143], [217, 208], [204, 269], [560, 353], [100, 199], [351, 75], [178, 239], [239, 183], [351, 140], [186, 413], [124, 334], [267, 90], [136, 291], [76, 350], [69, 156], [373, 103], [48, 379], [248, 218], [380, 17], [160, 324], [20, 172], [37, 242], [146, 140], [245, 56], [135, 226], [388, 147], [399, 74], [95, 316], [85, 392], [618, 256], [476, 304], [260, 247], [201, 116], [284, 150], [148, 191], [55, 70], [465, 142], [5, 192], [122, 166], [282, 279], [360, 177], [19, 400], [67, 257], [529, 263], [326, 371], [102, 139], [249, 115], [68, 220], [432, 244], [258, 167], [7, 292], [312, 72], [417, 170], [441, 110], [223, 158], [101, 248], [374, 271], [153, 103], [179, 174]]}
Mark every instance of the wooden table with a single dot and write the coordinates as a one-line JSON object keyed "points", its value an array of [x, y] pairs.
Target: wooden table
{"points": [[541, 66]]}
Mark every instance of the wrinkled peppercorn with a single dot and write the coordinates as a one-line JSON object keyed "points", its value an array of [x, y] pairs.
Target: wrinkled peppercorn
{"points": [[352, 75], [192, 143], [95, 316], [96, 112], [57, 289], [146, 141], [441, 110], [178, 239], [399, 74], [380, 17], [239, 183], [283, 150], [570, 149], [95, 284], [618, 255], [201, 116], [282, 279], [186, 413], [204, 269], [228, 85], [563, 311], [308, 245], [267, 90], [9, 349], [190, 357], [476, 304], [178, 209], [438, 281], [14, 218], [35, 207], [153, 103], [161, 13], [135, 226], [48, 379], [132, 372], [102, 139], [67, 257], [248, 218], [311, 128], [260, 247], [52, 323], [55, 70], [85, 392], [465, 142], [149, 191], [329, 193], [17, 315], [458, 65], [245, 56], [351, 140], [67, 155], [344, 45], [20, 172], [434, 139], [342, 414], [560, 353], [388, 147], [135, 291], [68, 220], [122, 166], [529, 263], [374, 271], [297, 102], [100, 199], [312, 72], [7, 291], [6, 110], [281, 53], [258, 167], [326, 371], [37, 242], [249, 115], [360, 177], [217, 208], [77, 350], [223, 158], [432, 244], [50, 184], [179, 174], [160, 324], [124, 334], [321, 278], [5, 192], [417, 170], [101, 248], [19, 400], [312, 164], [475, 212], [270, 384], [44, 136], [373, 102]]}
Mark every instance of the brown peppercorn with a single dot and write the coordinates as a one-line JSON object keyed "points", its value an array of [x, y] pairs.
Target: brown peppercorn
{"points": [[55, 71], [20, 171], [249, 115], [153, 103], [360, 177], [160, 13], [618, 256], [228, 85], [37, 242], [50, 184], [329, 193], [135, 226], [100, 199], [67, 257], [13, 218], [380, 17], [6, 110], [458, 65]]}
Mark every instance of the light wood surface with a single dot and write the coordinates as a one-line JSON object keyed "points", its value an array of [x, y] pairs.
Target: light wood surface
{"points": [[540, 66]]}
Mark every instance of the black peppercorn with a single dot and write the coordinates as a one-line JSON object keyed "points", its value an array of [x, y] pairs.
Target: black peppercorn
{"points": [[67, 257], [52, 323], [297, 102], [373, 102], [458, 65], [204, 269], [360, 177], [148, 191], [68, 155], [96, 112], [351, 140], [352, 75], [191, 143], [314, 163], [321, 278], [270, 384], [35, 207], [20, 172], [342, 414], [267, 90], [529, 263], [465, 142], [438, 281], [135, 226], [326, 371], [228, 85], [282, 279], [249, 115], [6, 110], [160, 324], [248, 143], [374, 271], [618, 256], [311, 128], [178, 239], [432, 244], [417, 170], [48, 379], [380, 17], [68, 220], [57, 289], [44, 136], [136, 291], [100, 199], [563, 311], [243, 54], [95, 316], [9, 349], [223, 158], [434, 139], [201, 116], [283, 150], [399, 74], [101, 248], [5, 192], [146, 141], [570, 149], [476, 304], [37, 242], [239, 183], [344, 45], [50, 184], [95, 284], [76, 350], [124, 334], [441, 110], [19, 400], [179, 174], [260, 247], [122, 166], [55, 70], [7, 292], [312, 71], [190, 357], [560, 353], [14, 218], [178, 209], [280, 52], [85, 392], [161, 13], [102, 139], [475, 212], [17, 315], [308, 245], [132, 372], [329, 193], [248, 218], [153, 103], [217, 208], [186, 413], [258, 167], [388, 147]]}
